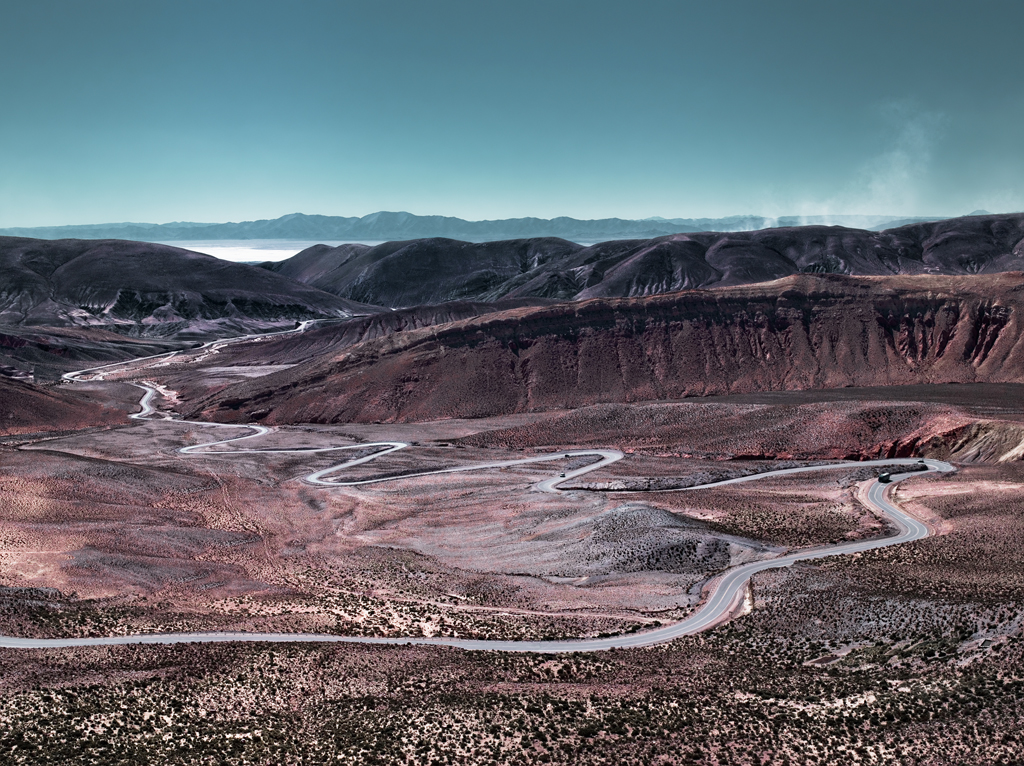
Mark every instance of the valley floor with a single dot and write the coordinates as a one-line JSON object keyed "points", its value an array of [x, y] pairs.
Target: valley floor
{"points": [[910, 654]]}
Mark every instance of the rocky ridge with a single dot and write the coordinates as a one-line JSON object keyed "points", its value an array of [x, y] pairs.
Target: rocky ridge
{"points": [[800, 332], [434, 270]]}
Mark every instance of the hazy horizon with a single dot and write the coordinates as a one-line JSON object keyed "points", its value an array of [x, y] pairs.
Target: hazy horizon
{"points": [[809, 217], [57, 224], [260, 249]]}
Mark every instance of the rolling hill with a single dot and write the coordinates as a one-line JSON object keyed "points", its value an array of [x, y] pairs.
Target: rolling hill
{"points": [[150, 290], [435, 270]]}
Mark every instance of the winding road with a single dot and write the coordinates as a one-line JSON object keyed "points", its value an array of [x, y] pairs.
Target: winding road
{"points": [[725, 593]]}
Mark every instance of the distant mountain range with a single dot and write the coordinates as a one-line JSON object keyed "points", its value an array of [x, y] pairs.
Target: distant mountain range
{"points": [[382, 227]]}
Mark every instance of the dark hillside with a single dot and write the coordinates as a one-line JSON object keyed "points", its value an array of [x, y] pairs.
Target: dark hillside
{"points": [[415, 272], [149, 290], [801, 332]]}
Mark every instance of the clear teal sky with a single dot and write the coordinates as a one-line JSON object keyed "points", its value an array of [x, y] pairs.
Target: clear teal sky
{"points": [[215, 111]]}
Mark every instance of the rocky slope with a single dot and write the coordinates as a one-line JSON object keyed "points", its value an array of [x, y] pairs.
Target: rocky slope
{"points": [[332, 337], [49, 352], [151, 290], [25, 408], [800, 332], [435, 270]]}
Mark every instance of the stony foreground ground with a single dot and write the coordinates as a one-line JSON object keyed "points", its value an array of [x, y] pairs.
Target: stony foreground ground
{"points": [[907, 656]]}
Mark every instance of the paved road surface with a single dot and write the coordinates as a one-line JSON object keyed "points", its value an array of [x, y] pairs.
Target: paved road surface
{"points": [[727, 590]]}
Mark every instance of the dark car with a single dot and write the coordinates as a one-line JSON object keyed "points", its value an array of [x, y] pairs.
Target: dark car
{"points": [[885, 478]]}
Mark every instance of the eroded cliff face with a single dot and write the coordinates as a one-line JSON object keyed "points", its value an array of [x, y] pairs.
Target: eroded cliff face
{"points": [[966, 441], [796, 333], [336, 336]]}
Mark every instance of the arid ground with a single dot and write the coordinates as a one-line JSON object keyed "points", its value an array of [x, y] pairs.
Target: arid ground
{"points": [[911, 654]]}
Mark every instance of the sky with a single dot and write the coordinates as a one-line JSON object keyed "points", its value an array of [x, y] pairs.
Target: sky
{"points": [[229, 111]]}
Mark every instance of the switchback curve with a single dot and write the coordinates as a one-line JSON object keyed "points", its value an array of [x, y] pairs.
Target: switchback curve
{"points": [[725, 593]]}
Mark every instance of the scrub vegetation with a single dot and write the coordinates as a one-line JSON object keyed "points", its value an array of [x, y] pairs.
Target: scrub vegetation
{"points": [[908, 655]]}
